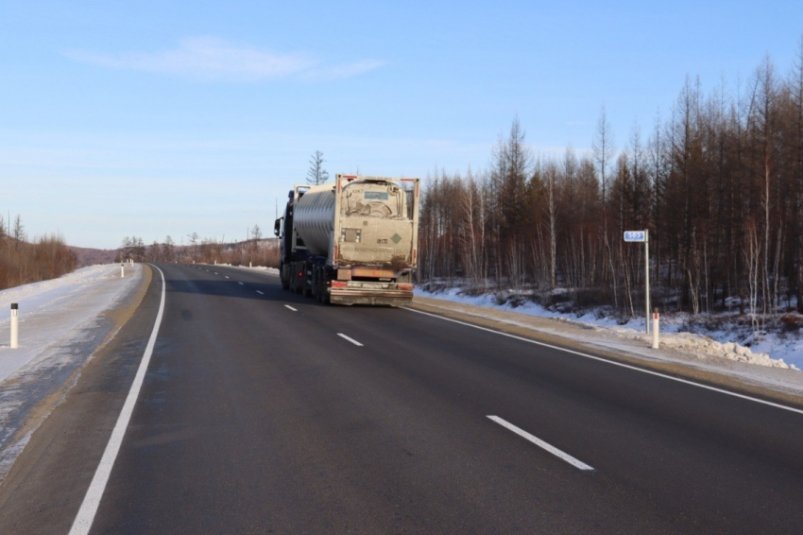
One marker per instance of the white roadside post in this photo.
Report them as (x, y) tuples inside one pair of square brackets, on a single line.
[(656, 329), (643, 236), (15, 336), (122, 270)]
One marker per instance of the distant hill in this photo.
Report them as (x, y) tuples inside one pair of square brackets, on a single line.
[(90, 257), (262, 252)]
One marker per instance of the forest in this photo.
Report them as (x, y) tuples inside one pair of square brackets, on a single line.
[(719, 186), (22, 262)]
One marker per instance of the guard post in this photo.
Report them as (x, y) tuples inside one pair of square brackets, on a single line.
[(656, 329), (15, 337)]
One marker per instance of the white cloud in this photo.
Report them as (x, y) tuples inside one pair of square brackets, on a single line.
[(217, 59)]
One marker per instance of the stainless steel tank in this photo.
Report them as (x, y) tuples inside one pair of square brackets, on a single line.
[(314, 217)]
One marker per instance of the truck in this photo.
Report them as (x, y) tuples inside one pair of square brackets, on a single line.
[(351, 242)]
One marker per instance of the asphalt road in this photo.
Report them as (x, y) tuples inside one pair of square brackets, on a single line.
[(265, 412)]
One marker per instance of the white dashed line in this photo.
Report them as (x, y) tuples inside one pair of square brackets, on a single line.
[(350, 339), (260, 292), (562, 455), (291, 308)]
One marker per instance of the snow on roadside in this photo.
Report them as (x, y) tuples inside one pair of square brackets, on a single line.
[(774, 351), (263, 269), (61, 323), (52, 312)]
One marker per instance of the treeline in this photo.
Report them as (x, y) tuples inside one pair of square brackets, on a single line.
[(719, 186), (22, 262), (253, 251)]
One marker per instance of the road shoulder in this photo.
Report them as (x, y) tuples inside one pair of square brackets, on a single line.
[(46, 484), (581, 338)]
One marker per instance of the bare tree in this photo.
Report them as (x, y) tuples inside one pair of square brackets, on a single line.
[(511, 210), (316, 174), (796, 238), (551, 175), (168, 250), (19, 232), (253, 248), (603, 151)]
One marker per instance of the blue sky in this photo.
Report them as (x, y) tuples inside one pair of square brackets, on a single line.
[(153, 118)]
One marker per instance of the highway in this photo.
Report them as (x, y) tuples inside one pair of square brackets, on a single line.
[(264, 412)]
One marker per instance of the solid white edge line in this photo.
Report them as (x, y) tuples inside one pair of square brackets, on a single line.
[(560, 454), (89, 507), (350, 339), (614, 363), (291, 308)]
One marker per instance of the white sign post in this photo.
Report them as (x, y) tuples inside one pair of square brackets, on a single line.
[(643, 236)]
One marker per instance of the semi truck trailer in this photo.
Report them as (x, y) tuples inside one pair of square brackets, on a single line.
[(351, 242)]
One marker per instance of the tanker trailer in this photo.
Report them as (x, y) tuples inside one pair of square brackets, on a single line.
[(351, 242)]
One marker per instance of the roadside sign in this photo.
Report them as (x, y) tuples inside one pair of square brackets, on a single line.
[(643, 236), (636, 235)]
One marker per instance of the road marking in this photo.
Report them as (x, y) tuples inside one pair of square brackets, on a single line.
[(227, 276), (291, 308), (613, 362), (216, 273), (350, 339), (562, 455), (89, 507), (241, 283), (260, 292)]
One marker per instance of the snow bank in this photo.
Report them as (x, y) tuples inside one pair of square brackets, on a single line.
[(262, 269)]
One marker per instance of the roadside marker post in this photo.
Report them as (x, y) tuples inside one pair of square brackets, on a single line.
[(122, 270), (656, 329), (15, 336), (643, 236)]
